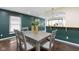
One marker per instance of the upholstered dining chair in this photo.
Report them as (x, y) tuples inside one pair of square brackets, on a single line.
[(49, 45), (22, 43)]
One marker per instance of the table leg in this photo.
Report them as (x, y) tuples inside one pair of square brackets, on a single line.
[(37, 46)]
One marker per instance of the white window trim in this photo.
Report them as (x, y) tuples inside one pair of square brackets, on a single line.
[(49, 22), (10, 25)]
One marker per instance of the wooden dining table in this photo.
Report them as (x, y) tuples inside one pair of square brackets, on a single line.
[(38, 38)]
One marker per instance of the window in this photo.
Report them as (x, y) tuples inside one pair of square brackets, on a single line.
[(15, 23), (56, 22)]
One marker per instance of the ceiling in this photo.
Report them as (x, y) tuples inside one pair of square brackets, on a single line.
[(35, 11)]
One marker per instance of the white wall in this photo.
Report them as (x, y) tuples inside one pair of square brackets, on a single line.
[(71, 15)]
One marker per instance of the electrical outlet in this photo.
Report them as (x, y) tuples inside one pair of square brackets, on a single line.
[(67, 37), (1, 35)]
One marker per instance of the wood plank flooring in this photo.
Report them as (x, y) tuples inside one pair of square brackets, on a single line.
[(64, 47), (10, 45)]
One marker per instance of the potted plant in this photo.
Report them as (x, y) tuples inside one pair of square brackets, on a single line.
[(35, 26)]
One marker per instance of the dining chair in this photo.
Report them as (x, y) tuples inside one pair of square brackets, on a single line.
[(24, 29), (49, 45), (22, 43), (17, 40)]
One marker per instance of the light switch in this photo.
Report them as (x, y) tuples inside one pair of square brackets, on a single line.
[(1, 35), (67, 37)]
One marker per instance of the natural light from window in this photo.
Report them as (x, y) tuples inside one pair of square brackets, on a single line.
[(55, 22), (15, 23)]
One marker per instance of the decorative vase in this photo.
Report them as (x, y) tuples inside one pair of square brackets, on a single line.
[(35, 28), (32, 28)]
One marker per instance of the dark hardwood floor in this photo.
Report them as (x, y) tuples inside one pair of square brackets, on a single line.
[(10, 45), (64, 47)]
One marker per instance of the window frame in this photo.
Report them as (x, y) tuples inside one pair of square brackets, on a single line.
[(14, 24), (49, 21)]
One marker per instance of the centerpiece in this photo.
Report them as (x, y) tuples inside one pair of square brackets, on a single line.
[(35, 26)]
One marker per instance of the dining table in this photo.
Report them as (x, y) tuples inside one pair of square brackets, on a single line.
[(37, 38)]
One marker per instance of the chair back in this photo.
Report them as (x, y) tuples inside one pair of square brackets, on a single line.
[(17, 40), (52, 39), (22, 40), (25, 29), (54, 33)]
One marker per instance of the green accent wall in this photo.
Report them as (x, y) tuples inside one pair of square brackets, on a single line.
[(64, 32), (4, 21), (26, 21)]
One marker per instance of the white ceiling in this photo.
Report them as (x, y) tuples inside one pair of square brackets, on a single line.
[(35, 11)]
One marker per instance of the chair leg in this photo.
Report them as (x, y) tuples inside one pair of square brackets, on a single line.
[(38, 46), (18, 47)]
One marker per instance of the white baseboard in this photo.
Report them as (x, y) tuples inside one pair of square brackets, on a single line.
[(7, 38), (62, 41), (66, 42)]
